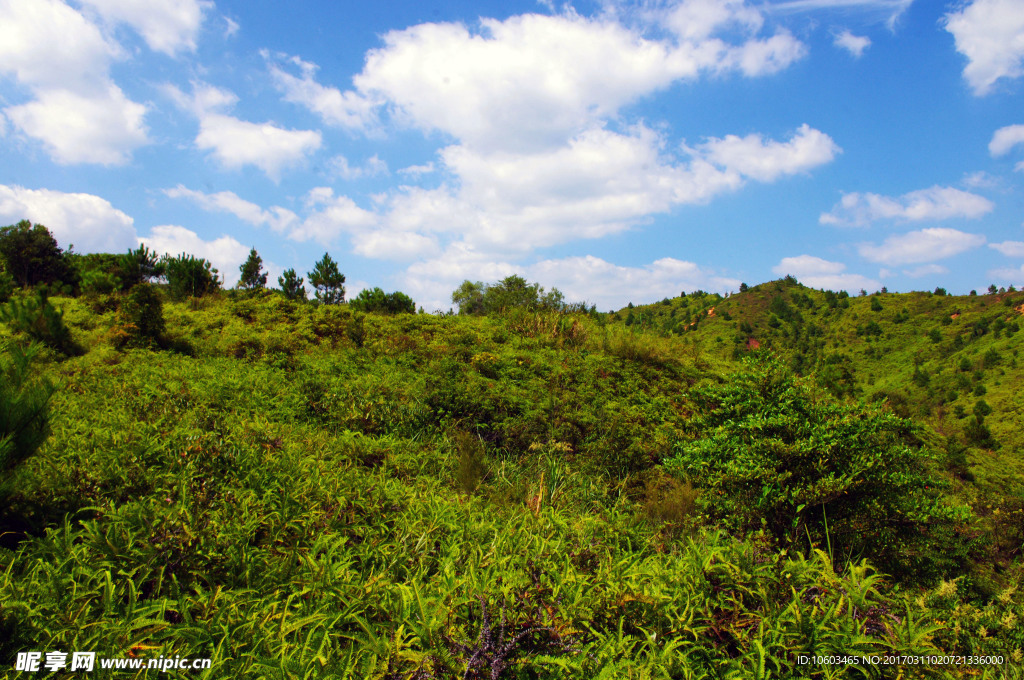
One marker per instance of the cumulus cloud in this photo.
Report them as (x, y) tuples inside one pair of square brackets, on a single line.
[(767, 161), (854, 44), (236, 143), (1006, 138), (102, 127), (89, 222), (925, 245), (224, 253), (990, 33), (531, 81), (77, 112), (1009, 248), (935, 203), (817, 272), (167, 26)]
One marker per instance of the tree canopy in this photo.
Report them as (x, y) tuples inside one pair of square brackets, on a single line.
[(32, 257), (328, 281), (512, 292), (253, 277)]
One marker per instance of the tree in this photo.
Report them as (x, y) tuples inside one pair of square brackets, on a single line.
[(189, 276), (744, 288), (376, 300), (138, 266), (253, 277), (769, 455), (32, 257), (291, 285), (469, 296), (328, 281), (511, 291)]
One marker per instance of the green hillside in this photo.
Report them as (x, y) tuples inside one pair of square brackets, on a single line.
[(704, 487)]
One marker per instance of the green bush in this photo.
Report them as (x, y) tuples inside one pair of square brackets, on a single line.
[(38, 318), (189, 276), (32, 257), (767, 454), (141, 318), (24, 409), (376, 300)]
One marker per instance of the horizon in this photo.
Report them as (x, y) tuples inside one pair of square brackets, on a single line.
[(618, 151)]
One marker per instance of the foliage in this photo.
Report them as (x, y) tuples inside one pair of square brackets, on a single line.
[(32, 257), (767, 453), (140, 318), (138, 266), (376, 300), (512, 292), (24, 401), (40, 320), (328, 281), (291, 285), (6, 284), (189, 276), (253, 277)]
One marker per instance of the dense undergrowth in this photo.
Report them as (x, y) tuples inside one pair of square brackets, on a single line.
[(306, 491)]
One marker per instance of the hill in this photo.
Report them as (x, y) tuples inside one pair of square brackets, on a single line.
[(299, 490)]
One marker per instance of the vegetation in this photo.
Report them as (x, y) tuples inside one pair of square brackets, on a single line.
[(189, 276), (291, 285), (528, 490), (31, 257), (376, 300), (327, 281), (253, 277)]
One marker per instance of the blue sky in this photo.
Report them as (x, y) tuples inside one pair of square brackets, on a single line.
[(618, 151)]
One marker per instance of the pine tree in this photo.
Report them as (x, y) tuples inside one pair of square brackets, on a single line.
[(291, 285), (24, 407), (328, 281), (253, 276)]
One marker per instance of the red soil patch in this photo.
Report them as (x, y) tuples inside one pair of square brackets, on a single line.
[(753, 343)]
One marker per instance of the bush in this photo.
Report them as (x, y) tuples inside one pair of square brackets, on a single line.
[(189, 276), (39, 319), (376, 300), (141, 318), (768, 455), (24, 406)]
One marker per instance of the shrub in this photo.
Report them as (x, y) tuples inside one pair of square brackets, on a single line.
[(769, 455), (39, 319), (6, 285), (189, 276), (376, 300), (24, 406), (141, 318)]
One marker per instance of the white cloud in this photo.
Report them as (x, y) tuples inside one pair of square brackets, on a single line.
[(342, 109), (417, 170), (102, 128), (1009, 248), (46, 43), (373, 167), (235, 143), (990, 33), (1004, 139), (77, 112), (887, 11), (816, 272), (854, 44), (926, 270), (224, 253), (331, 216), (753, 157), (925, 245), (89, 222), (1008, 274), (532, 81), (168, 26), (981, 180), (277, 218), (935, 203), (231, 27)]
